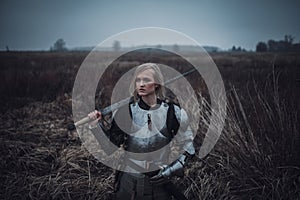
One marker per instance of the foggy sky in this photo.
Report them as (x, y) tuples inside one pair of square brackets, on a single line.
[(37, 24)]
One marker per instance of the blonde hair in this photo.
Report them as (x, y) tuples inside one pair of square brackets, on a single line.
[(158, 79)]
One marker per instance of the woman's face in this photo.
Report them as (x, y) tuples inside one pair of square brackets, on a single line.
[(145, 84)]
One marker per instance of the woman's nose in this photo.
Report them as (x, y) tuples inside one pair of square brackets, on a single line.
[(142, 83)]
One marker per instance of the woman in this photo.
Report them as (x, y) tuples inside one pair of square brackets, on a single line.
[(153, 124)]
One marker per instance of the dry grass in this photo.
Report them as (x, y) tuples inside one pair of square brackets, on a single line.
[(41, 159), (256, 157), (257, 154)]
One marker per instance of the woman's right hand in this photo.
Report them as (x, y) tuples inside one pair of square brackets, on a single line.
[(95, 117)]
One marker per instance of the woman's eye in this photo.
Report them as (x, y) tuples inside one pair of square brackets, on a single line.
[(147, 80), (144, 80)]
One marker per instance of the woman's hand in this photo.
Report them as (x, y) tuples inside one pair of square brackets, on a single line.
[(95, 117)]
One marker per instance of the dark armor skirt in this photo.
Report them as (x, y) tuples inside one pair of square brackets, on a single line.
[(138, 187)]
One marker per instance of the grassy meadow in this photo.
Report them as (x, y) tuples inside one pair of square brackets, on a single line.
[(256, 157)]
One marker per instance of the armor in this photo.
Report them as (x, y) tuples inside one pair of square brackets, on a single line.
[(144, 129)]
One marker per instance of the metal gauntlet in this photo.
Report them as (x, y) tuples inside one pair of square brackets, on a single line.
[(175, 168), (168, 171)]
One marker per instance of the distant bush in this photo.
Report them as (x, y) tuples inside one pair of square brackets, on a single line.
[(261, 47)]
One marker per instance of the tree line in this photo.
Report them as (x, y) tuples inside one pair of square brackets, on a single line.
[(285, 45)]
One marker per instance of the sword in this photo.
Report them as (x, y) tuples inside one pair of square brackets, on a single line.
[(123, 102)]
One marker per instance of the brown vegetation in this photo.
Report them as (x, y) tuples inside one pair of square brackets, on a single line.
[(257, 156)]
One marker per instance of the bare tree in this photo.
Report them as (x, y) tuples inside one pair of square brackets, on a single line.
[(116, 46), (59, 45), (175, 47)]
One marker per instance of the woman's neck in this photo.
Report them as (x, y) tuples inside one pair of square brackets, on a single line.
[(150, 100)]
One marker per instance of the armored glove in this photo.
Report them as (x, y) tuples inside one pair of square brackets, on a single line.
[(168, 171)]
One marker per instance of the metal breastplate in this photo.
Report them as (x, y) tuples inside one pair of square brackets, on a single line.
[(149, 130)]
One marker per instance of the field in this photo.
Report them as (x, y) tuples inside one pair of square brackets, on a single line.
[(257, 156)]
